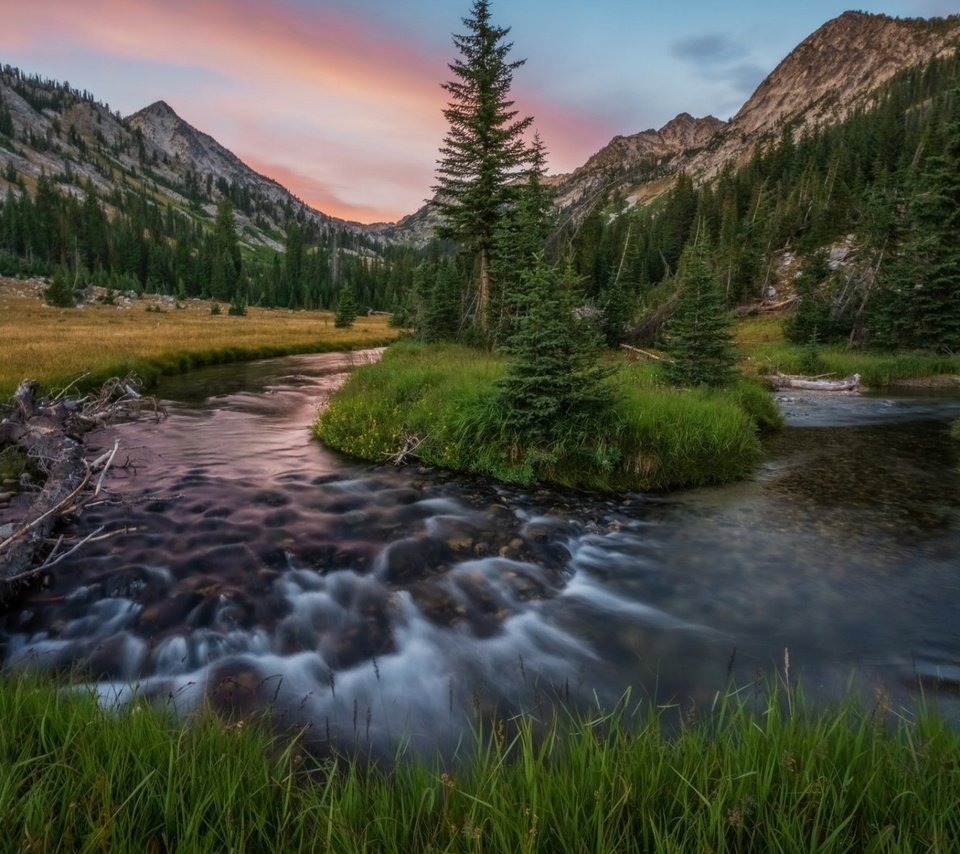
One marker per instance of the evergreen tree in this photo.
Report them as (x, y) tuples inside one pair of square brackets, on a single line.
[(616, 311), (483, 150), (6, 121), (438, 293), (698, 339), (59, 292), (919, 304), (347, 308), (554, 382), (238, 305), (520, 239), (813, 319), (226, 265)]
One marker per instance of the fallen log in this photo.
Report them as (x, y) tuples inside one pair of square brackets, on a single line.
[(50, 433), (645, 353), (778, 381)]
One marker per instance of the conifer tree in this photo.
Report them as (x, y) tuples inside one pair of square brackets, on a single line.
[(813, 319), (697, 338), (6, 121), (238, 305), (554, 382), (59, 292), (226, 270), (919, 305), (347, 308), (520, 239), (484, 149), (437, 290)]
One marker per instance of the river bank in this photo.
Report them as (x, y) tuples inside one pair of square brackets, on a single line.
[(75, 777), (363, 597), (154, 336)]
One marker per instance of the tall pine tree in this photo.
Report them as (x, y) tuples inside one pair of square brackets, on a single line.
[(554, 382), (484, 149), (919, 305), (520, 238), (698, 338)]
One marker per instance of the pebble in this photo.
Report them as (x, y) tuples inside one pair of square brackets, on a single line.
[(6, 530)]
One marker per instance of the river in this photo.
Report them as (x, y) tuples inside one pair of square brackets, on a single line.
[(383, 607)]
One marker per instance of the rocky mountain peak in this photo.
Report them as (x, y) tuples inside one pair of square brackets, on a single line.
[(158, 108), (831, 73), (684, 132), (823, 78)]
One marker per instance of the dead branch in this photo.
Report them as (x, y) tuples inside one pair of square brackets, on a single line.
[(645, 353), (50, 432), (851, 383), (410, 445)]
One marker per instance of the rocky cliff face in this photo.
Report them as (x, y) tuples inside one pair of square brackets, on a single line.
[(628, 159), (829, 74)]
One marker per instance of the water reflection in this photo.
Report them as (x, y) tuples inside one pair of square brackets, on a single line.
[(382, 606)]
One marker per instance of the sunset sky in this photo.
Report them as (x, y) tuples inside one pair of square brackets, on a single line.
[(340, 100)]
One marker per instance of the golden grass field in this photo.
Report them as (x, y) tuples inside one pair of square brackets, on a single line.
[(57, 345)]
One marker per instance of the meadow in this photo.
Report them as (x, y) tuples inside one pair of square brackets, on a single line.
[(55, 346), (765, 351)]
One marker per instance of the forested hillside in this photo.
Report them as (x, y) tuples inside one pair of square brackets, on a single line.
[(885, 182), (95, 197)]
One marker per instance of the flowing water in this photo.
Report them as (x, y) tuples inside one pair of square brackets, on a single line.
[(384, 606)]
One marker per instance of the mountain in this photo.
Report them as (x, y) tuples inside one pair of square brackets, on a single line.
[(73, 139), (626, 158), (832, 73)]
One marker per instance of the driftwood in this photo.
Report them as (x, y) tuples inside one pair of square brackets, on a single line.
[(764, 307), (645, 353), (50, 433), (408, 451), (788, 381)]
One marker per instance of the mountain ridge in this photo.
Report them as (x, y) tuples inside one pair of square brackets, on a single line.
[(832, 72), (69, 136)]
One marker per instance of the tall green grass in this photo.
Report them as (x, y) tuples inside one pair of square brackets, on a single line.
[(767, 352), (442, 399), (764, 776)]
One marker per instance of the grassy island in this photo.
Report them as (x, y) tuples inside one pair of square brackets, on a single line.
[(440, 399)]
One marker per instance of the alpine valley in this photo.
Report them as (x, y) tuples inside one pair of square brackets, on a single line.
[(156, 157)]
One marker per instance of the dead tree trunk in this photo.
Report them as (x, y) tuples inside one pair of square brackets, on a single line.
[(50, 434)]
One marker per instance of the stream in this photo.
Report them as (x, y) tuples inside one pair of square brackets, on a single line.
[(385, 607)]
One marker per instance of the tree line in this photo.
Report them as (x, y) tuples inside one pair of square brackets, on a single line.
[(127, 242), (886, 175)]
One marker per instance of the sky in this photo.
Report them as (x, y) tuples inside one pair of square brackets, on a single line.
[(340, 100)]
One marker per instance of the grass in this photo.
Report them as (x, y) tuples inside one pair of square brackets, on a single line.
[(766, 351), (955, 429), (765, 775), (442, 396), (55, 346)]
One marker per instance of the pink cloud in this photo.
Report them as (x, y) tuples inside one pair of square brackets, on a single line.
[(242, 40), (354, 114), (317, 194)]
